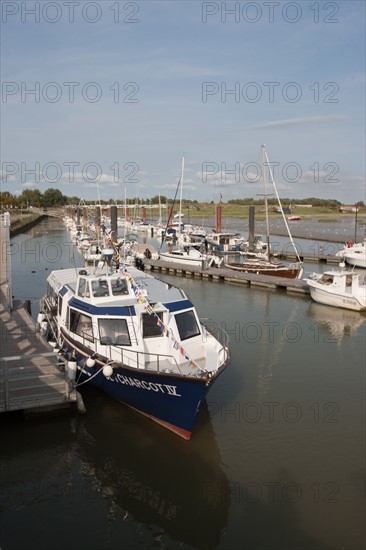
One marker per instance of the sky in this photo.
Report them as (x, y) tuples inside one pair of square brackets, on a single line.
[(104, 99)]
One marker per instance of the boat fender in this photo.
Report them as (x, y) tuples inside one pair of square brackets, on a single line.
[(90, 362), (43, 328), (107, 371), (148, 254), (71, 370), (40, 317)]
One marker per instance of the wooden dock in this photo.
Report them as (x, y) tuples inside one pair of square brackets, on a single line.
[(229, 276), (317, 258), (32, 377)]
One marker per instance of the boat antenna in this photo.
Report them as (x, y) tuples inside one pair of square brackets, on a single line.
[(265, 157)]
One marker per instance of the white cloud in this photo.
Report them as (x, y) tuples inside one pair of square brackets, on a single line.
[(298, 121)]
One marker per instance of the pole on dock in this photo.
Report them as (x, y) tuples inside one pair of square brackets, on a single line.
[(356, 209), (5, 267), (85, 218), (218, 218), (78, 218), (114, 232), (97, 221), (251, 228)]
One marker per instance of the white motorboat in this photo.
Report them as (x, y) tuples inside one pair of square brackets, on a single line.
[(339, 288), (354, 253), (135, 337), (191, 255)]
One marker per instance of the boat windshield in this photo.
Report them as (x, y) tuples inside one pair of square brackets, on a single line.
[(119, 287), (326, 279), (100, 288), (187, 325)]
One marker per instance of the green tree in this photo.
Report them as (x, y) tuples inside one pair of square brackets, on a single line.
[(53, 197), (30, 197), (7, 199)]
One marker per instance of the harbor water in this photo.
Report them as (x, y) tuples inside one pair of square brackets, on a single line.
[(276, 460)]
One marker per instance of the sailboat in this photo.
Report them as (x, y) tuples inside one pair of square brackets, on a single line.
[(188, 254), (265, 264)]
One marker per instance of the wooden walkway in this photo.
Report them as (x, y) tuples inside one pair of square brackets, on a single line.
[(31, 376), (229, 275)]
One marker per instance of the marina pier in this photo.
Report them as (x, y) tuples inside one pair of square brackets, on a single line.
[(229, 276), (32, 378)]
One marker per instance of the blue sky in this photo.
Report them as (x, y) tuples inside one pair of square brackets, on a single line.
[(154, 85)]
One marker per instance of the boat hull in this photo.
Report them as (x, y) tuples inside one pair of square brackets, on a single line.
[(185, 260), (172, 401), (288, 273), (356, 260), (330, 299)]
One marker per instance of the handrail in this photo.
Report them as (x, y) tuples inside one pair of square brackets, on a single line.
[(136, 354)]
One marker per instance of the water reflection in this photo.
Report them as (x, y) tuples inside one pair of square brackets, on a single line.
[(150, 477), (337, 323), (274, 339)]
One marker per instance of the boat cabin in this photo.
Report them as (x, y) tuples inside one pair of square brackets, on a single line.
[(342, 281)]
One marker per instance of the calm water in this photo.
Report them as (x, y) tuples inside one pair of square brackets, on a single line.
[(277, 459)]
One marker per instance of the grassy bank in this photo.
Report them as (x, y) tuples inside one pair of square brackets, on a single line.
[(242, 211), (20, 222)]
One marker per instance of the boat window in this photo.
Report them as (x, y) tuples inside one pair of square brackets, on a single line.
[(83, 288), (59, 304), (114, 332), (81, 324), (187, 325), (326, 279), (100, 288), (119, 286), (150, 327)]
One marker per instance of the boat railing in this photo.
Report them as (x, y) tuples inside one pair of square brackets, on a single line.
[(156, 362), (215, 330)]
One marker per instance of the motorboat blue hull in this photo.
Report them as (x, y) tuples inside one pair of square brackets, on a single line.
[(171, 401)]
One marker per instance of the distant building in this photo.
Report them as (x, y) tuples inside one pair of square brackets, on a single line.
[(349, 208)]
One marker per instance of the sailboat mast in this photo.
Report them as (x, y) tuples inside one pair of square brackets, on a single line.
[(279, 202), (181, 195), (265, 198)]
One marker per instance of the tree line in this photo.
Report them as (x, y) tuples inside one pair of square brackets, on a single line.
[(53, 197)]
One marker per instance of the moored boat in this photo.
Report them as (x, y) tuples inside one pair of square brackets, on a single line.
[(136, 338), (354, 253), (190, 255), (263, 262), (340, 288), (266, 267)]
